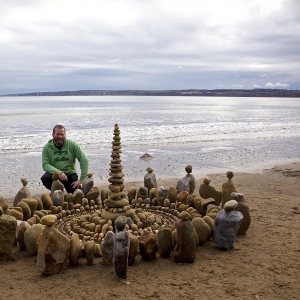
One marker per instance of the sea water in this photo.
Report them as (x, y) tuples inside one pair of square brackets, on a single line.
[(210, 133)]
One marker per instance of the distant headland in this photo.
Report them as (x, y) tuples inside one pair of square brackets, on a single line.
[(188, 92)]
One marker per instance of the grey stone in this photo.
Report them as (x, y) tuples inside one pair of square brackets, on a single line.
[(237, 196), (226, 226), (107, 247), (186, 184), (87, 184), (56, 185), (150, 180), (22, 193), (121, 252), (58, 198), (120, 222), (162, 192)]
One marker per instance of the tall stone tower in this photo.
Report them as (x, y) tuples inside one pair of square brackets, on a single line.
[(117, 204)]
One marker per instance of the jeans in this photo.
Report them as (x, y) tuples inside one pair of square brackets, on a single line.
[(47, 181)]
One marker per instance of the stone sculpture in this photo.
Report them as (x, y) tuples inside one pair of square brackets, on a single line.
[(227, 188), (87, 183), (107, 247), (54, 248), (187, 183), (116, 204), (226, 225), (56, 184), (121, 247), (209, 191), (185, 249), (22, 193), (150, 179)]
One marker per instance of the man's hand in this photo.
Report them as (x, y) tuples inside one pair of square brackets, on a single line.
[(63, 177), (76, 184)]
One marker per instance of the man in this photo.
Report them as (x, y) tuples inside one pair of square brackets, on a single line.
[(61, 154)]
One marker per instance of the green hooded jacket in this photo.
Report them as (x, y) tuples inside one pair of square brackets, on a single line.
[(64, 160)]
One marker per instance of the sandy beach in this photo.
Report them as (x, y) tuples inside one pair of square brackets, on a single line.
[(263, 265)]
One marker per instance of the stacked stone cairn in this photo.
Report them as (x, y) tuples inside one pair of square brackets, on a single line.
[(117, 204)]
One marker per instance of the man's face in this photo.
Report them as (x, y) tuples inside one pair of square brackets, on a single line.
[(59, 136)]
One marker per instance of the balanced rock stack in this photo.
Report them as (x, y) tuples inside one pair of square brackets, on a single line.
[(116, 204)]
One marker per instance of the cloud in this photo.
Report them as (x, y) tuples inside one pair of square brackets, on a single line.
[(62, 45), (277, 84), (256, 86)]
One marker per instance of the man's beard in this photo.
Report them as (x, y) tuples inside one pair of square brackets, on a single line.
[(59, 142)]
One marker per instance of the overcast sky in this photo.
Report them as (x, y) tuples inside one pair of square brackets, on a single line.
[(63, 45)]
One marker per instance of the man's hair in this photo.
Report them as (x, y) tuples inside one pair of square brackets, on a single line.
[(59, 127)]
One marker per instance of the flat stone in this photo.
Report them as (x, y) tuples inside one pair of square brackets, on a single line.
[(116, 203), (230, 205), (49, 220)]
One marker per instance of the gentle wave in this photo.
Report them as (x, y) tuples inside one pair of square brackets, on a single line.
[(145, 121)]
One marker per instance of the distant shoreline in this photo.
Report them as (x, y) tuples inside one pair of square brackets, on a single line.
[(276, 93)]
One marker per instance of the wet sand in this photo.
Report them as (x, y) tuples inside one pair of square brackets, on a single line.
[(167, 162), (263, 265)]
